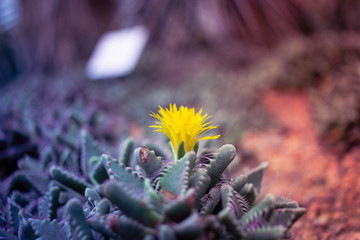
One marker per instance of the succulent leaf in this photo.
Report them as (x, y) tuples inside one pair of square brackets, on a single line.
[(210, 201), (132, 207), (181, 208), (256, 175), (264, 206), (146, 158), (54, 202), (181, 150), (25, 229), (66, 158), (67, 141), (38, 180), (92, 195), (19, 198), (46, 157), (44, 208), (282, 202), (69, 180), (6, 235), (269, 233), (176, 179), (103, 207), (21, 180), (200, 180), (14, 215), (231, 199), (101, 225), (286, 216), (89, 148), (158, 151), (239, 182), (218, 165), (128, 229), (228, 219), (77, 222), (122, 174), (99, 174), (152, 197), (189, 228), (49, 230), (248, 191), (126, 151), (28, 163)]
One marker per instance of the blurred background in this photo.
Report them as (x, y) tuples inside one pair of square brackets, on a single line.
[(281, 79)]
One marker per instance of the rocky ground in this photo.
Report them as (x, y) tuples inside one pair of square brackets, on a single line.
[(303, 169)]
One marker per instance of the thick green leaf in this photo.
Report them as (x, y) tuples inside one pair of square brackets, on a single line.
[(256, 175), (6, 235), (46, 230), (231, 199), (99, 174), (77, 222), (54, 202), (135, 208), (181, 150), (222, 159), (125, 175), (200, 180), (92, 195), (228, 219), (181, 208), (266, 205), (210, 201), (68, 179), (126, 151), (146, 158), (286, 216), (89, 149), (239, 182), (176, 179), (103, 207), (190, 228), (101, 225), (128, 229), (268, 233)]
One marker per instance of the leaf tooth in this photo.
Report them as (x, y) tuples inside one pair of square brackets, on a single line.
[(186, 179), (111, 172), (242, 201), (268, 232), (264, 206)]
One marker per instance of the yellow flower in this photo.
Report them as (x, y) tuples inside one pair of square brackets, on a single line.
[(183, 124)]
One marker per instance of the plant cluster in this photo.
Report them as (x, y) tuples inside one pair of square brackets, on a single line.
[(75, 191)]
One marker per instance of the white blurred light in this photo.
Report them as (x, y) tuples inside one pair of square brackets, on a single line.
[(117, 53), (9, 14)]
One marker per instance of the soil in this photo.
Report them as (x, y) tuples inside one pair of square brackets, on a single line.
[(303, 169)]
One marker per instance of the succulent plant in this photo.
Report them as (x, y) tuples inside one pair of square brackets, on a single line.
[(79, 192)]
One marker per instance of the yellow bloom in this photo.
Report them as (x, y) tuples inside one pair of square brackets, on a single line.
[(183, 124)]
